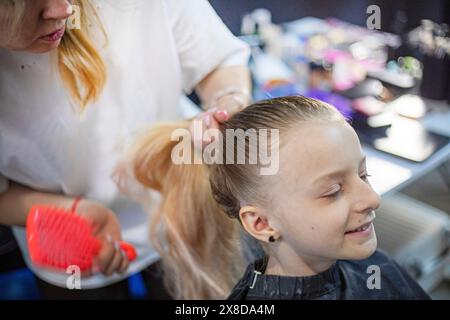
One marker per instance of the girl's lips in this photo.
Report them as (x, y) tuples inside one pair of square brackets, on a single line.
[(363, 231), (55, 36)]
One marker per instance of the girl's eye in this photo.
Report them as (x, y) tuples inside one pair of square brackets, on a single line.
[(334, 194), (365, 176)]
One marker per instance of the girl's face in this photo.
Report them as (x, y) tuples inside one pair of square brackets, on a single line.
[(322, 195), (41, 29)]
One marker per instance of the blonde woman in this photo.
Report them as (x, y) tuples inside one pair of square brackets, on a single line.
[(72, 98)]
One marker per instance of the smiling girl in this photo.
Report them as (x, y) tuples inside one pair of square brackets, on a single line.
[(314, 217)]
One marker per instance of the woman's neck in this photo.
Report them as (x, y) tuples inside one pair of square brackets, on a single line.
[(296, 266)]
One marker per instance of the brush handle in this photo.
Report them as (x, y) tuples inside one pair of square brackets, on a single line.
[(129, 250)]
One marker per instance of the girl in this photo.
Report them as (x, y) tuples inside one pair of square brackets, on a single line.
[(314, 217)]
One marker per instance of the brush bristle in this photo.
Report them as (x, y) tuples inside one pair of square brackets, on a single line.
[(58, 238)]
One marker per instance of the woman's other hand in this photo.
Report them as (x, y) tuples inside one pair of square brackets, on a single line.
[(111, 258)]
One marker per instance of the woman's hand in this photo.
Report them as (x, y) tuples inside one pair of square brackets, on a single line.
[(16, 202), (210, 119), (225, 105), (111, 259)]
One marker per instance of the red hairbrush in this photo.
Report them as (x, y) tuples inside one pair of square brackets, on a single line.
[(58, 238)]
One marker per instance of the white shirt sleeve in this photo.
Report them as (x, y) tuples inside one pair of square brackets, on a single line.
[(237, 59), (3, 184), (202, 40)]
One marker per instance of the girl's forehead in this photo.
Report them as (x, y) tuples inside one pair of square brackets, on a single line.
[(314, 148)]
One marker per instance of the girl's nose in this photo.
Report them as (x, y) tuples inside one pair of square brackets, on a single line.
[(368, 200), (57, 10)]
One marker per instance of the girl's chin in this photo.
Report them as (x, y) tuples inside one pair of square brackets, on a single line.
[(360, 251), (366, 250)]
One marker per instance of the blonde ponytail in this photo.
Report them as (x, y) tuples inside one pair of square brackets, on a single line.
[(197, 242)]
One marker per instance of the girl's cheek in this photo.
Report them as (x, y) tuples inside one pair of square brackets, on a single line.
[(339, 217)]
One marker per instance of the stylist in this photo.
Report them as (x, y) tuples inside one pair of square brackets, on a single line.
[(78, 80)]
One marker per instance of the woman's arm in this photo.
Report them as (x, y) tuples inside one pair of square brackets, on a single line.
[(227, 88), (17, 201)]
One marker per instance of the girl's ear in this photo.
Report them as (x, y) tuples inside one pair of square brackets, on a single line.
[(257, 224)]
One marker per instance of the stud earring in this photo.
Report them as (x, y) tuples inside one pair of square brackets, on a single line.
[(271, 239)]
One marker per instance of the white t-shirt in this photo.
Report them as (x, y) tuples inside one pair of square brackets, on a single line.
[(156, 50)]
